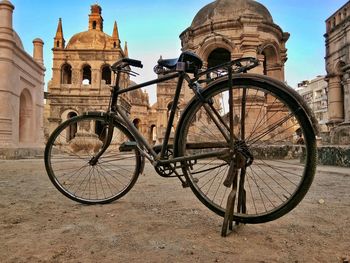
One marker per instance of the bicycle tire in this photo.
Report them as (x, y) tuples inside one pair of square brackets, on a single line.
[(69, 150), (277, 180)]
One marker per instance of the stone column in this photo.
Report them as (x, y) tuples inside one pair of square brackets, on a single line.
[(346, 87), (6, 11), (8, 117), (38, 51), (335, 100)]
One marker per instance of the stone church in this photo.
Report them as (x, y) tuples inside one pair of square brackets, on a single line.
[(21, 91), (221, 31), (81, 77)]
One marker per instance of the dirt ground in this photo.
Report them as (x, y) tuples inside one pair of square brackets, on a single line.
[(159, 221)]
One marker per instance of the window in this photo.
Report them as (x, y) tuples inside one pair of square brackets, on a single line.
[(94, 25), (66, 74), (87, 75), (106, 74)]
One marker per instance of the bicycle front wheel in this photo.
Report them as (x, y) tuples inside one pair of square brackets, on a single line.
[(271, 132), (72, 146)]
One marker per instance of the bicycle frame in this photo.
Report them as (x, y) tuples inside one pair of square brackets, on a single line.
[(152, 155), (193, 83)]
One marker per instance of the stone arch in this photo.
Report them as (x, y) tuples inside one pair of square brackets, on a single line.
[(272, 65), (69, 113), (26, 117), (106, 74), (86, 74), (211, 43), (66, 74)]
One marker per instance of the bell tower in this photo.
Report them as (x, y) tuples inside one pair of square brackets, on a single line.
[(95, 18), (59, 41)]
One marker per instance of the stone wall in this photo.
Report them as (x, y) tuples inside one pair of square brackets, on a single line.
[(334, 155)]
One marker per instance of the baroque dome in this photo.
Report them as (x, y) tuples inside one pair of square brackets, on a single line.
[(230, 9), (91, 39)]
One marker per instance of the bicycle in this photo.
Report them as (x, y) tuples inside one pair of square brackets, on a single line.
[(241, 131)]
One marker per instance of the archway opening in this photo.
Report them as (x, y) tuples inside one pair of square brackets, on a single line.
[(270, 61), (72, 130), (154, 134), (137, 123), (218, 56), (25, 117), (87, 75), (107, 74), (66, 74)]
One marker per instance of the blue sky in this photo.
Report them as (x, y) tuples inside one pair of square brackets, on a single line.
[(152, 28)]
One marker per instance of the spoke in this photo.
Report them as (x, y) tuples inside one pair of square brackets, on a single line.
[(261, 119), (273, 179), (268, 130)]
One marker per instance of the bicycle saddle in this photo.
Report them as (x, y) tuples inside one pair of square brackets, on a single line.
[(192, 61)]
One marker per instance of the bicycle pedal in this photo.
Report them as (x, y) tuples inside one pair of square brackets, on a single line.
[(127, 146)]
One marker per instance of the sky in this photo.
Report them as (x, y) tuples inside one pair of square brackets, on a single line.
[(152, 29)]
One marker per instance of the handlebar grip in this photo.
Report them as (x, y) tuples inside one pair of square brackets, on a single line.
[(133, 62), (126, 62)]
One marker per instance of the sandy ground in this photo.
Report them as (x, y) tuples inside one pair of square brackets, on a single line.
[(159, 221)]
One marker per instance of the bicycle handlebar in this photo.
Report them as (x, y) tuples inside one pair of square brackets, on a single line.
[(120, 64)]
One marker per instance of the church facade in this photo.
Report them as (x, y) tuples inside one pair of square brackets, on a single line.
[(81, 77)]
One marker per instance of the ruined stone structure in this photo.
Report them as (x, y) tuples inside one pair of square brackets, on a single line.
[(21, 91), (82, 77), (338, 74)]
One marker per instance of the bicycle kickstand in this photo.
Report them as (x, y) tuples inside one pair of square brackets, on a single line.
[(227, 226)]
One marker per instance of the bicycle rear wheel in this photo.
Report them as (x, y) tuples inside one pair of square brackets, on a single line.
[(269, 124), (67, 160)]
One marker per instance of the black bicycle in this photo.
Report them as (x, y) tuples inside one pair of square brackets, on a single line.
[(240, 131)]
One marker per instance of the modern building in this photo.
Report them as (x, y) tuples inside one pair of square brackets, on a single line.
[(315, 93), (338, 73), (21, 91)]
